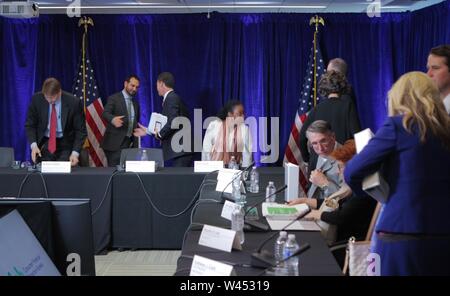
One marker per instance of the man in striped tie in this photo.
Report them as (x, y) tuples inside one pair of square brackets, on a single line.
[(55, 124)]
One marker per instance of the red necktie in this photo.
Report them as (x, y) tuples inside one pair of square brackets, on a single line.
[(52, 137)]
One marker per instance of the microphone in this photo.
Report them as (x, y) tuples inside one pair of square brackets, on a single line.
[(265, 259), (240, 174), (257, 224)]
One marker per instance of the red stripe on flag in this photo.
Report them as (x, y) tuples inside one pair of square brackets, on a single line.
[(93, 126), (290, 156), (99, 108), (94, 156)]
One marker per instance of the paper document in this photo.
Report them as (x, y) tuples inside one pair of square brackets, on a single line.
[(157, 122), (297, 225)]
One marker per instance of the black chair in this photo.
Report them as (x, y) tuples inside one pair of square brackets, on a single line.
[(6, 157), (153, 154)]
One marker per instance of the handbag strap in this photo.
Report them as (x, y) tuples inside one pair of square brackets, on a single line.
[(376, 212)]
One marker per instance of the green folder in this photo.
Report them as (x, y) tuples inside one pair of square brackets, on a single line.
[(282, 210)]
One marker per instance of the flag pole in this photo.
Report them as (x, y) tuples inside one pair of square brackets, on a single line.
[(316, 20), (85, 22)]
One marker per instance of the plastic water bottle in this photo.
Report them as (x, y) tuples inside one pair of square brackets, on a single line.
[(233, 164), (144, 156), (237, 223), (237, 188), (279, 246), (291, 246), (254, 180), (270, 190)]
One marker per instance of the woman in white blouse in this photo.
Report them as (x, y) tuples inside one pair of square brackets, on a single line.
[(228, 136)]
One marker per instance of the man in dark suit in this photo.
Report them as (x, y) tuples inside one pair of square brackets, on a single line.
[(122, 115), (55, 124), (174, 109)]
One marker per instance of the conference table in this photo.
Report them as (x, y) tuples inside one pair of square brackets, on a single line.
[(317, 260), (123, 214), (89, 183)]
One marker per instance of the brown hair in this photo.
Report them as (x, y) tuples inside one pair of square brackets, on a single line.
[(51, 86), (333, 82), (442, 51), (345, 152)]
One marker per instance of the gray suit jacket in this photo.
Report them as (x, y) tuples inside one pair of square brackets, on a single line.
[(331, 170)]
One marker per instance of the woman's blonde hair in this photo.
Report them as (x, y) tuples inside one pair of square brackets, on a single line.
[(416, 97)]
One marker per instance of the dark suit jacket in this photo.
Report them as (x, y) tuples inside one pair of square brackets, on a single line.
[(173, 107), (116, 106), (340, 113), (418, 175), (72, 120)]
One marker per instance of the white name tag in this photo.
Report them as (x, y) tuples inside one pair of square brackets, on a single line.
[(56, 167), (207, 166), (219, 238), (224, 179), (228, 209), (140, 166), (202, 266)]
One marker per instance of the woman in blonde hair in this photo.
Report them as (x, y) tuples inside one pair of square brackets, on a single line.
[(413, 145)]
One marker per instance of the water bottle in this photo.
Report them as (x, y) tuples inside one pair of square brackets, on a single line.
[(254, 180), (279, 246), (144, 156), (237, 223), (270, 190), (233, 164), (291, 246), (237, 196)]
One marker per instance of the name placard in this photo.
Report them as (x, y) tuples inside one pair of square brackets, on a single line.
[(140, 166), (224, 179), (202, 266), (228, 208), (219, 238), (56, 167)]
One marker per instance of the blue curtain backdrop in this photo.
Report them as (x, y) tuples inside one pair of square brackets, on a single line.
[(257, 58)]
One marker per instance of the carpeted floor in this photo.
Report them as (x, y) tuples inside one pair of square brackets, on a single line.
[(137, 263)]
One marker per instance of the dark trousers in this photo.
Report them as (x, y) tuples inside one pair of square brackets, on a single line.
[(113, 157), (62, 153)]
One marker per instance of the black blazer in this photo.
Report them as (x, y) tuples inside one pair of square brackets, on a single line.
[(173, 107), (340, 113), (72, 120), (114, 136)]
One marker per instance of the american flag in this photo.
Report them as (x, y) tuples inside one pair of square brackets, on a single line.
[(85, 83), (292, 153)]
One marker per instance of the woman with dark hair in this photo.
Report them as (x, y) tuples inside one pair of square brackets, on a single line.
[(338, 110), (228, 136)]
